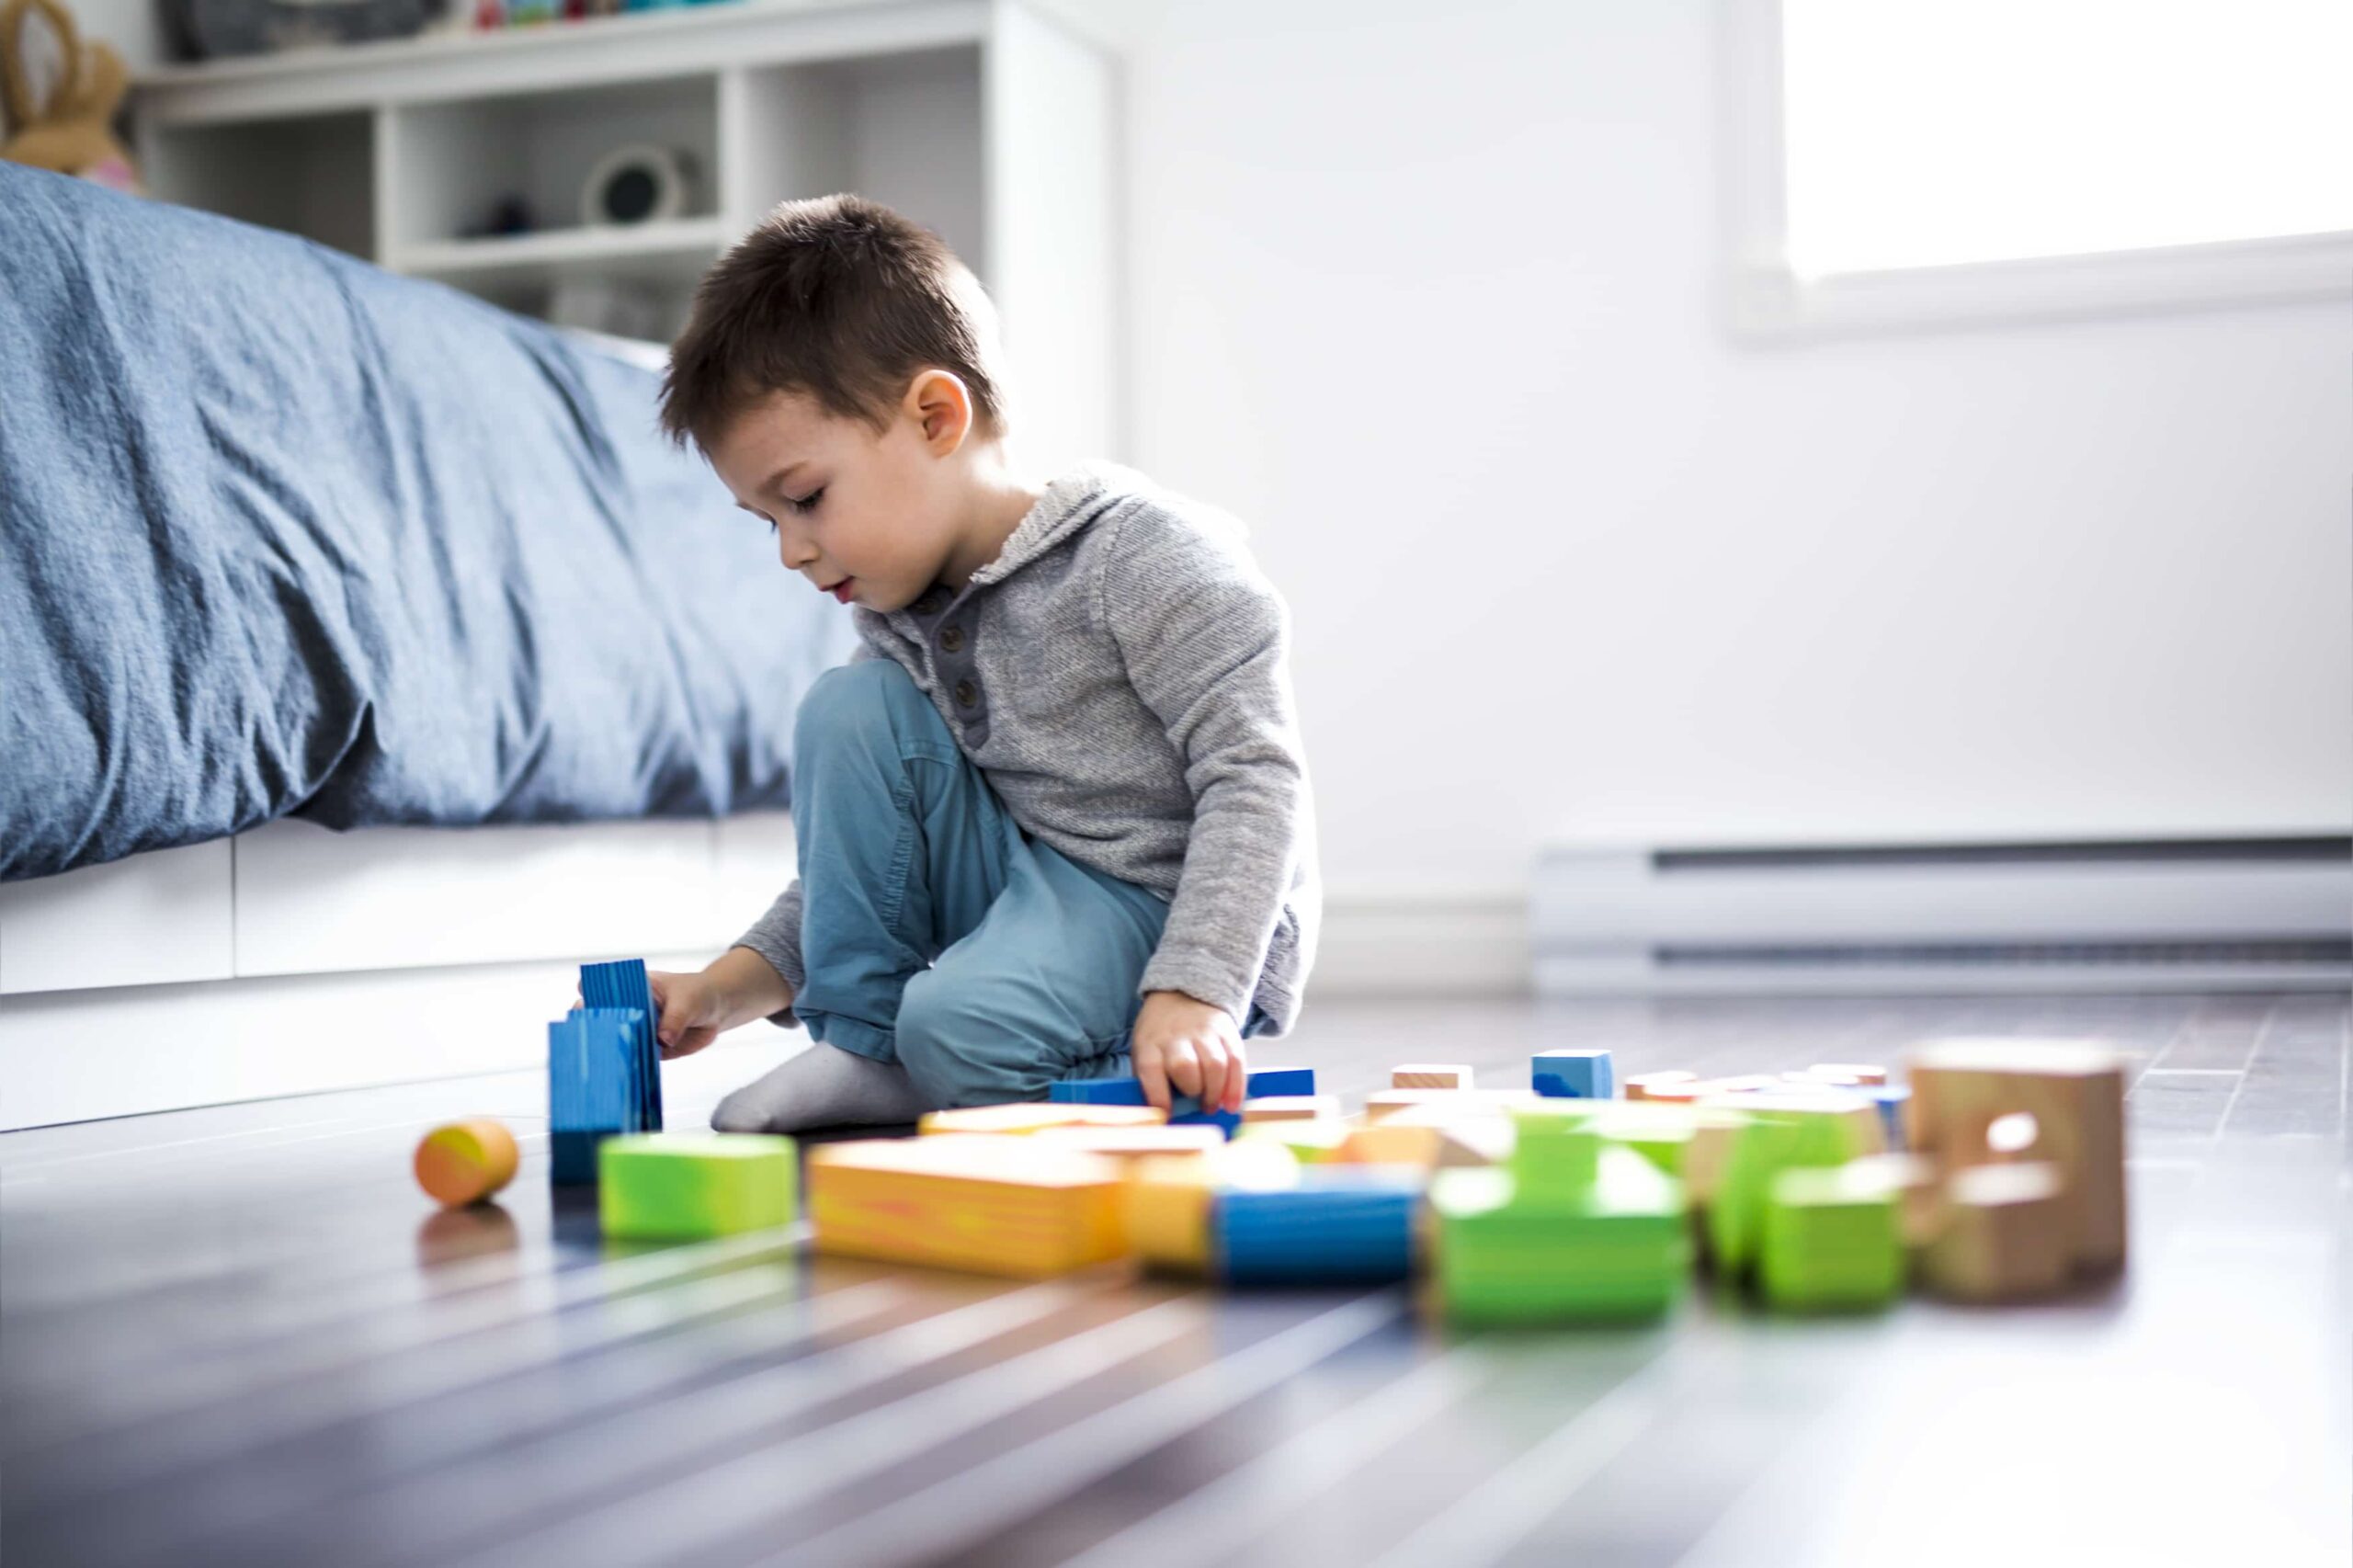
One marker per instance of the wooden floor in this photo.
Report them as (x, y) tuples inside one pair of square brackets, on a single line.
[(240, 1335)]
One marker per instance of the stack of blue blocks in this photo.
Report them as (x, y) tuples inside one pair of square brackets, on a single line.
[(1341, 1225), (604, 1069), (1185, 1110), (1572, 1074)]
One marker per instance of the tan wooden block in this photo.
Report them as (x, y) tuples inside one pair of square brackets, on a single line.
[(1465, 1137), (1641, 1084), (1392, 1143), (1429, 1075), (1126, 1145), (1383, 1104), (1290, 1107), (2004, 1233), (1986, 1102), (1027, 1117)]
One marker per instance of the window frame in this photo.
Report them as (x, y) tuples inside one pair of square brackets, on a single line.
[(1765, 299)]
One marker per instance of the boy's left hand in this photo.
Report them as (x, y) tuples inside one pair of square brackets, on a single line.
[(1188, 1043)]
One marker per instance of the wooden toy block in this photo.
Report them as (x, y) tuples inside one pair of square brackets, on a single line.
[(2060, 1101), (1785, 1129), (1383, 1104), (1640, 1086), (623, 984), (1848, 1074), (594, 1066), (2004, 1233), (1267, 1083), (1698, 1089), (1127, 1145), (1290, 1107), (1620, 1252), (1580, 1074), (1391, 1144), (1314, 1140), (1484, 1138), (1912, 1181), (1429, 1075), (992, 1205), (1555, 1154), (1337, 1225), (464, 1162), (690, 1185), (1831, 1241), (1894, 1101), (1027, 1117), (1660, 1131), (1166, 1200)]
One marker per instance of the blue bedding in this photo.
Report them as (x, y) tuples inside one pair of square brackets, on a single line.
[(282, 533)]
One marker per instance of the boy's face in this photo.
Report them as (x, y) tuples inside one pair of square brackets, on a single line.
[(870, 519)]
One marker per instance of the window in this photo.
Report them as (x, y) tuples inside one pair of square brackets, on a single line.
[(1906, 162)]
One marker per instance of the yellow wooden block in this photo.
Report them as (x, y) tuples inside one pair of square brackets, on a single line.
[(1429, 1075), (1981, 1102), (1166, 1200), (1290, 1107), (992, 1204), (465, 1162), (1035, 1116), (1128, 1145)]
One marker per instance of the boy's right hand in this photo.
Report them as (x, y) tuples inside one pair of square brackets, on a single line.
[(694, 1011)]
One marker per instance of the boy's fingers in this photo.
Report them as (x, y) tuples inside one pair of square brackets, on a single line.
[(1212, 1090), (1153, 1076), (1237, 1077), (1184, 1070)]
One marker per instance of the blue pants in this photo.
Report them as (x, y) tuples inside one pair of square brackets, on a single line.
[(933, 930)]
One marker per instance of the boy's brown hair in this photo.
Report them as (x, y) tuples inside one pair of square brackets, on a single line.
[(841, 299)]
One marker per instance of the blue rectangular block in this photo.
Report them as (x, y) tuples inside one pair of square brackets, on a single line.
[(1184, 1109), (1574, 1074), (1891, 1099), (623, 984), (595, 1087), (1339, 1225)]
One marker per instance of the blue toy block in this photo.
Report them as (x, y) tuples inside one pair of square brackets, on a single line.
[(1340, 1225), (590, 1095), (623, 984), (1890, 1099), (1269, 1081), (1574, 1074), (1184, 1110)]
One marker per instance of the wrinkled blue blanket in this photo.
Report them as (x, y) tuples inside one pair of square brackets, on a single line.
[(280, 532)]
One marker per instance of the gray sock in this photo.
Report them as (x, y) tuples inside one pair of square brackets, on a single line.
[(823, 1086)]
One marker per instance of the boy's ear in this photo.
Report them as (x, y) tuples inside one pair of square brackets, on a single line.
[(942, 409)]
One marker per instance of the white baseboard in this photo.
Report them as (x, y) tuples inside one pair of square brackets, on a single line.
[(1424, 944)]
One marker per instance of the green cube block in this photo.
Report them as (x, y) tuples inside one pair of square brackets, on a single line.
[(1832, 1241), (1619, 1252), (1660, 1132), (1785, 1132), (1553, 1151), (675, 1185)]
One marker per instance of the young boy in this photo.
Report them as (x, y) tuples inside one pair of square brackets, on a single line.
[(1053, 817)]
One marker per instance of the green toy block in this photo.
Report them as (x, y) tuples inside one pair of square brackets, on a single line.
[(1315, 1142), (1619, 1252), (1659, 1131), (1553, 1152), (674, 1186), (1832, 1241), (1796, 1130)]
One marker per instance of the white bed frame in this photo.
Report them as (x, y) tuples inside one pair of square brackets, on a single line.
[(292, 959)]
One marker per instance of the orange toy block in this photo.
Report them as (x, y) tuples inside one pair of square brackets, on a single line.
[(991, 1204), (1981, 1102), (2004, 1233), (1036, 1116), (1126, 1145), (1464, 1138), (1166, 1201), (465, 1162), (1429, 1075), (1392, 1143), (1290, 1107)]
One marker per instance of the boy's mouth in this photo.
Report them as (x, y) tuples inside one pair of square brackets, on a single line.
[(841, 590)]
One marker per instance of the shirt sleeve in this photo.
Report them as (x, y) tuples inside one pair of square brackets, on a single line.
[(1206, 640)]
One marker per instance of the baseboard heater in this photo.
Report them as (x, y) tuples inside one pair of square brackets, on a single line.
[(2153, 915)]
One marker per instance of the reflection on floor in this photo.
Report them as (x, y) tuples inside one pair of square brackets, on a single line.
[(241, 1336)]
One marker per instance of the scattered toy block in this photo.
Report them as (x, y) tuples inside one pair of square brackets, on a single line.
[(1337, 1225), (2004, 1233), (1660, 1131), (1014, 1206), (1640, 1086), (1314, 1140), (1383, 1104), (464, 1162), (1166, 1200), (594, 1057), (2066, 1097), (1127, 1145), (1910, 1181), (1894, 1101), (1578, 1074), (1290, 1107), (1831, 1241), (1620, 1251), (1849, 1074), (1555, 1154), (680, 1185), (1465, 1137), (1390, 1144), (1267, 1083), (1429, 1075), (1029, 1117), (624, 985), (1789, 1129)]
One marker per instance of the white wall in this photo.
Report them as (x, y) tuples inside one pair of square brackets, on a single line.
[(1426, 292)]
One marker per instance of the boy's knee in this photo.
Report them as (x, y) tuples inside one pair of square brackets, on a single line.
[(872, 698), (962, 1052)]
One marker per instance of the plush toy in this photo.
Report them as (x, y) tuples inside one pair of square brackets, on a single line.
[(61, 96)]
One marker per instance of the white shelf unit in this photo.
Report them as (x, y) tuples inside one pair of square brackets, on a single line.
[(984, 119)]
